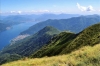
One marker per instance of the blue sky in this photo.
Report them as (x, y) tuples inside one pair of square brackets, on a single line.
[(50, 6)]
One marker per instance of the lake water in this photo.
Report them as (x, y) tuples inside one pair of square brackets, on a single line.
[(7, 35)]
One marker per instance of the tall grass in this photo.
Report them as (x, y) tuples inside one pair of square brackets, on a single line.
[(86, 56)]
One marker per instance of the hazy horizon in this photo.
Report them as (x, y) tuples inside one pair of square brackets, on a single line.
[(22, 7)]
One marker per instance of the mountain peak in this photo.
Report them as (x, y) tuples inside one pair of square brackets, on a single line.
[(49, 30)]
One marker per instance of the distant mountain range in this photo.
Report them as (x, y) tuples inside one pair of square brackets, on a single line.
[(44, 17), (15, 19), (74, 24), (48, 42)]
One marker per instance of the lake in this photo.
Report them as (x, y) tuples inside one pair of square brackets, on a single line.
[(15, 30)]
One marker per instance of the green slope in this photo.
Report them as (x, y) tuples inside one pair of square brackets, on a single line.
[(9, 57), (67, 42), (55, 46), (30, 44), (85, 56), (90, 36)]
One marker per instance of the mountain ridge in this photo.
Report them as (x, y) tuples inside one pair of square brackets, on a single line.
[(89, 36), (71, 24)]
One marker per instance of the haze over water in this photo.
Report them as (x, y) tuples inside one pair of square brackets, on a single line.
[(15, 30)]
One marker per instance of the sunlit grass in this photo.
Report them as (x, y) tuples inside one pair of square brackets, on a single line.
[(86, 56)]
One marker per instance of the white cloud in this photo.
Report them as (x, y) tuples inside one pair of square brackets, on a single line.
[(12, 11), (90, 8), (83, 8), (39, 11), (43, 11), (32, 11), (19, 12), (46, 11)]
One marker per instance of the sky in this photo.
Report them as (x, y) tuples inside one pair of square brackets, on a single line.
[(49, 6)]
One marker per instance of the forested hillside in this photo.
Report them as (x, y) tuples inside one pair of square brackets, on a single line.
[(67, 42)]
